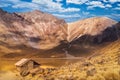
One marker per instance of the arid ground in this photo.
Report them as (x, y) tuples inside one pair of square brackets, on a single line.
[(102, 64)]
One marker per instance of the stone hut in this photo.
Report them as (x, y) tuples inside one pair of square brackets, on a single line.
[(24, 66)]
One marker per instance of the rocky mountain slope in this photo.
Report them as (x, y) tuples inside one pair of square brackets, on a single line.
[(43, 31), (91, 26), (34, 29), (94, 30)]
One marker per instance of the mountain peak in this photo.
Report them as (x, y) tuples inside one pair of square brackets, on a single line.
[(90, 26)]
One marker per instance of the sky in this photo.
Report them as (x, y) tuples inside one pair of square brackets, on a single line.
[(69, 10)]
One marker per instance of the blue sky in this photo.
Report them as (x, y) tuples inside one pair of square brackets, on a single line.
[(70, 10)]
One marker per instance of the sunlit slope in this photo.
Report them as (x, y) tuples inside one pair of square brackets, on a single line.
[(91, 26)]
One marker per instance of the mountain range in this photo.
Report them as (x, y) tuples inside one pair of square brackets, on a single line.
[(42, 35), (44, 31)]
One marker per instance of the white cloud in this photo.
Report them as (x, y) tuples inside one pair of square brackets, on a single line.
[(85, 13), (18, 4), (26, 5), (114, 1), (96, 4), (117, 8), (118, 4), (116, 15), (12, 1), (111, 1), (53, 6), (93, 4), (76, 1), (99, 4), (4, 4), (105, 0), (70, 10), (48, 4), (74, 17), (59, 0), (67, 16), (108, 6)]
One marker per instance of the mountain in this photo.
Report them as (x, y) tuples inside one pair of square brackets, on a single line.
[(91, 26), (88, 35), (34, 29), (44, 31)]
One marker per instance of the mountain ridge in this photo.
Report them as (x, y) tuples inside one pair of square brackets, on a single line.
[(91, 26), (29, 32)]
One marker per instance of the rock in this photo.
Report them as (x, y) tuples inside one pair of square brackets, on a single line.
[(87, 64), (91, 72), (118, 59), (24, 73), (101, 61), (36, 71)]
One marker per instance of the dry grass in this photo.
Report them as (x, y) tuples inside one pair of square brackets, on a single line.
[(104, 66)]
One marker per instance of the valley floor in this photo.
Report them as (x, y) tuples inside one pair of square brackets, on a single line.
[(104, 64)]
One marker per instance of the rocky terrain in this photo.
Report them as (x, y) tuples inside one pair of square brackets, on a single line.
[(34, 29)]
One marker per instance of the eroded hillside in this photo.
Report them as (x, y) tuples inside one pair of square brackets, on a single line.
[(33, 29)]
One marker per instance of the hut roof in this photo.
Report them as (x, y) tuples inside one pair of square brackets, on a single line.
[(24, 61)]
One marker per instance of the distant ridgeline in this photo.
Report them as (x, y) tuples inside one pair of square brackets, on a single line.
[(110, 34)]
